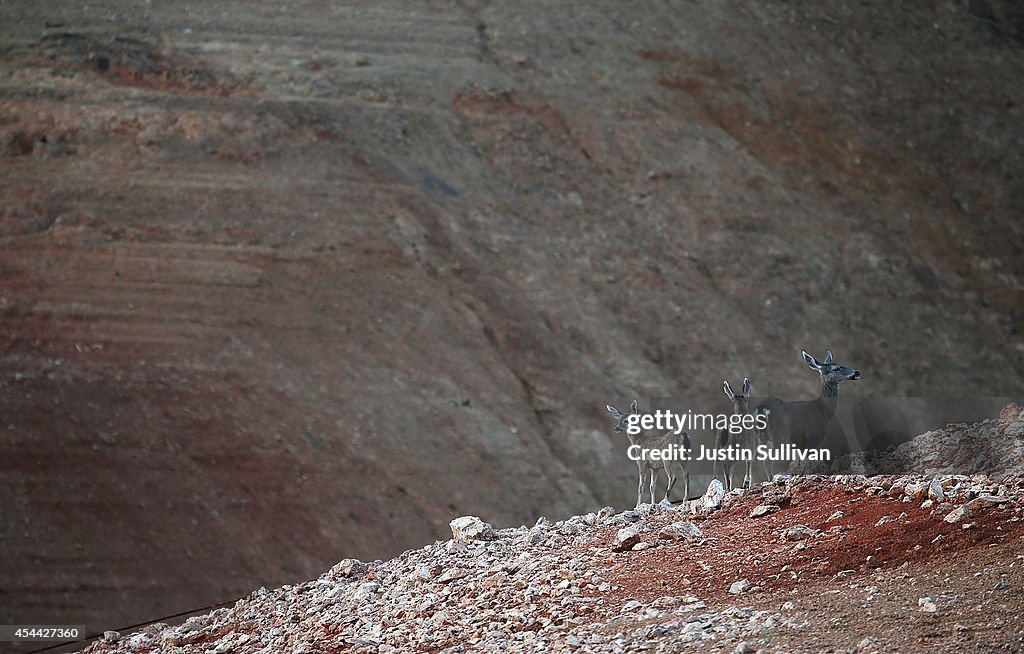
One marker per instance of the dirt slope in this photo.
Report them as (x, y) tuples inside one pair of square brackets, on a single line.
[(871, 571), (282, 284), (993, 447)]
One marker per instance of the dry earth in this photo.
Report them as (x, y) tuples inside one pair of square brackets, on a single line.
[(843, 564), (988, 447), (286, 283)]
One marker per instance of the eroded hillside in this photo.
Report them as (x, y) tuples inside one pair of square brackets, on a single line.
[(287, 283)]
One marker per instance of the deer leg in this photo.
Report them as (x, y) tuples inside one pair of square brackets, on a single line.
[(654, 483), (724, 473), (640, 486), (686, 484), (671, 482)]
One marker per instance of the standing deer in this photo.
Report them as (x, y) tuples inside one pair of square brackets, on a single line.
[(803, 423), (744, 439), (673, 467)]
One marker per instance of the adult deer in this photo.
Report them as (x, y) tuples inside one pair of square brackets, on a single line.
[(803, 423)]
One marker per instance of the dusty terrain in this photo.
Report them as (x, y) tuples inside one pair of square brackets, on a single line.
[(989, 447), (282, 284), (871, 571)]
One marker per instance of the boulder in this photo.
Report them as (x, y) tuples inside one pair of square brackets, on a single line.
[(763, 509), (348, 568), (712, 499), (680, 531), (469, 528), (958, 514), (626, 539), (799, 532), (740, 586)]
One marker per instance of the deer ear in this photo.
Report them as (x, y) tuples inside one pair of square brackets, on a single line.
[(811, 361), (615, 412), (634, 407), (746, 386), (828, 358), (728, 390)]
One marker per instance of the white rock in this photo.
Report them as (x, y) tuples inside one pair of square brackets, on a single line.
[(424, 572), (366, 591), (713, 496), (666, 601), (740, 586), (626, 539), (348, 568), (632, 605), (469, 527), (799, 532), (916, 490), (985, 498), (681, 531), (763, 509), (958, 514)]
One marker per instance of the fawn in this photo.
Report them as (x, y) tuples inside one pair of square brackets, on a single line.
[(647, 442), (744, 439)]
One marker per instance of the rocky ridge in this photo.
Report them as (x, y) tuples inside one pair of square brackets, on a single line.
[(993, 447), (559, 586)]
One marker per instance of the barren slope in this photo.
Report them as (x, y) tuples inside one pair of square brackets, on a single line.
[(869, 570)]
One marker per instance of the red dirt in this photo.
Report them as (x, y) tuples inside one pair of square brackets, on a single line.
[(738, 547)]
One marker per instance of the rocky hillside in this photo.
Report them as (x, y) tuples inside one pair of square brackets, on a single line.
[(922, 564), (993, 447), (283, 284)]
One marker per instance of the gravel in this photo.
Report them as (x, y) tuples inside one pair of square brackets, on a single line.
[(526, 589)]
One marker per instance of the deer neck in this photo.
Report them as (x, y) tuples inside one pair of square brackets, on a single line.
[(737, 410), (829, 398)]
